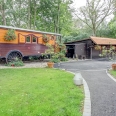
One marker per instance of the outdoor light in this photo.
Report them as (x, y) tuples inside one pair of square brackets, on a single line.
[(78, 79)]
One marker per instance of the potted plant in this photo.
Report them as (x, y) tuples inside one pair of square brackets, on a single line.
[(49, 52), (55, 56), (110, 53), (97, 47), (45, 38), (10, 35)]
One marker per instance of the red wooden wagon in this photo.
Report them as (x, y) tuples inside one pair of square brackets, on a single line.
[(27, 43)]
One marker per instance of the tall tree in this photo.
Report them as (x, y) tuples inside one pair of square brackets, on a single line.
[(45, 15), (94, 13), (2, 12), (56, 15)]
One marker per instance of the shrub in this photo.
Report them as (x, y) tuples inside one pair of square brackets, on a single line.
[(15, 63), (108, 52)]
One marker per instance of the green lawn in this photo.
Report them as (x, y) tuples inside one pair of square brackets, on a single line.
[(39, 92), (113, 73)]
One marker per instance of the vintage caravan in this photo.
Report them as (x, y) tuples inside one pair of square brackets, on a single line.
[(24, 43)]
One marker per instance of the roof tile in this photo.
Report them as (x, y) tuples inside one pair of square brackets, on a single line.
[(103, 41)]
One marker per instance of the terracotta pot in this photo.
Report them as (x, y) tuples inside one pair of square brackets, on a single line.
[(50, 64), (12, 65), (113, 66)]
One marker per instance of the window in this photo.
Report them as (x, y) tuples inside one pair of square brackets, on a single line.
[(31, 38), (34, 39), (28, 39)]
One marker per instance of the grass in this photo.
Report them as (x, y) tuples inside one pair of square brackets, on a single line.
[(39, 92), (113, 73)]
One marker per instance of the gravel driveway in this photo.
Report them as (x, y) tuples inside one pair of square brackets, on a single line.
[(102, 88), (28, 65)]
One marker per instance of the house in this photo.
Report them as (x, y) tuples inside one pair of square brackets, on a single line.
[(26, 43), (88, 48)]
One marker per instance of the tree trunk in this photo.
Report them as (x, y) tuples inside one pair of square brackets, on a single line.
[(34, 15), (20, 14), (94, 31), (29, 14), (3, 13)]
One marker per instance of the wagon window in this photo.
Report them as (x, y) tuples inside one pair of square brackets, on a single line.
[(28, 39), (34, 39)]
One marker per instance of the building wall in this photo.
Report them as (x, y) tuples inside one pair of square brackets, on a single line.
[(83, 48), (86, 47), (80, 49), (25, 49), (20, 37), (95, 53)]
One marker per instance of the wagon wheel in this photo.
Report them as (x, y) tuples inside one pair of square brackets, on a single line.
[(14, 56)]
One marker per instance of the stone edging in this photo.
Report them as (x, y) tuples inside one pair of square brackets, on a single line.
[(87, 100), (110, 76)]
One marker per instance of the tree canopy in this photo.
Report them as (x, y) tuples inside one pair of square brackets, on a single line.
[(45, 15), (94, 13), (58, 16)]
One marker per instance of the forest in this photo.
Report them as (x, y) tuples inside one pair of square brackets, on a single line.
[(96, 18)]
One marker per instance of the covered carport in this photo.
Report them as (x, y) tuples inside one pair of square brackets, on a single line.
[(86, 48)]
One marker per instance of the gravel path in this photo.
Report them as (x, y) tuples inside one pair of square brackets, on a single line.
[(103, 93), (102, 87), (28, 65)]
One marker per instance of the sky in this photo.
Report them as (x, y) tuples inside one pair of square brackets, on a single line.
[(78, 3)]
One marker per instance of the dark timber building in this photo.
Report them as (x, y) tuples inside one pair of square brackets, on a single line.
[(87, 48)]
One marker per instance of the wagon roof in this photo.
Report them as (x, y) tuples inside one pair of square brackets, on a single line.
[(28, 30)]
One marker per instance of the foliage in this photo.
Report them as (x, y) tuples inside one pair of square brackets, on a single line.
[(62, 52), (50, 49), (97, 47), (10, 35), (112, 27), (64, 59), (35, 91), (15, 63), (67, 39), (94, 13), (56, 56), (32, 58), (45, 15), (62, 47), (57, 16), (45, 38), (74, 38), (103, 30), (113, 72), (109, 52)]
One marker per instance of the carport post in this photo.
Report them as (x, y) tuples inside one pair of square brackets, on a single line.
[(91, 52)]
